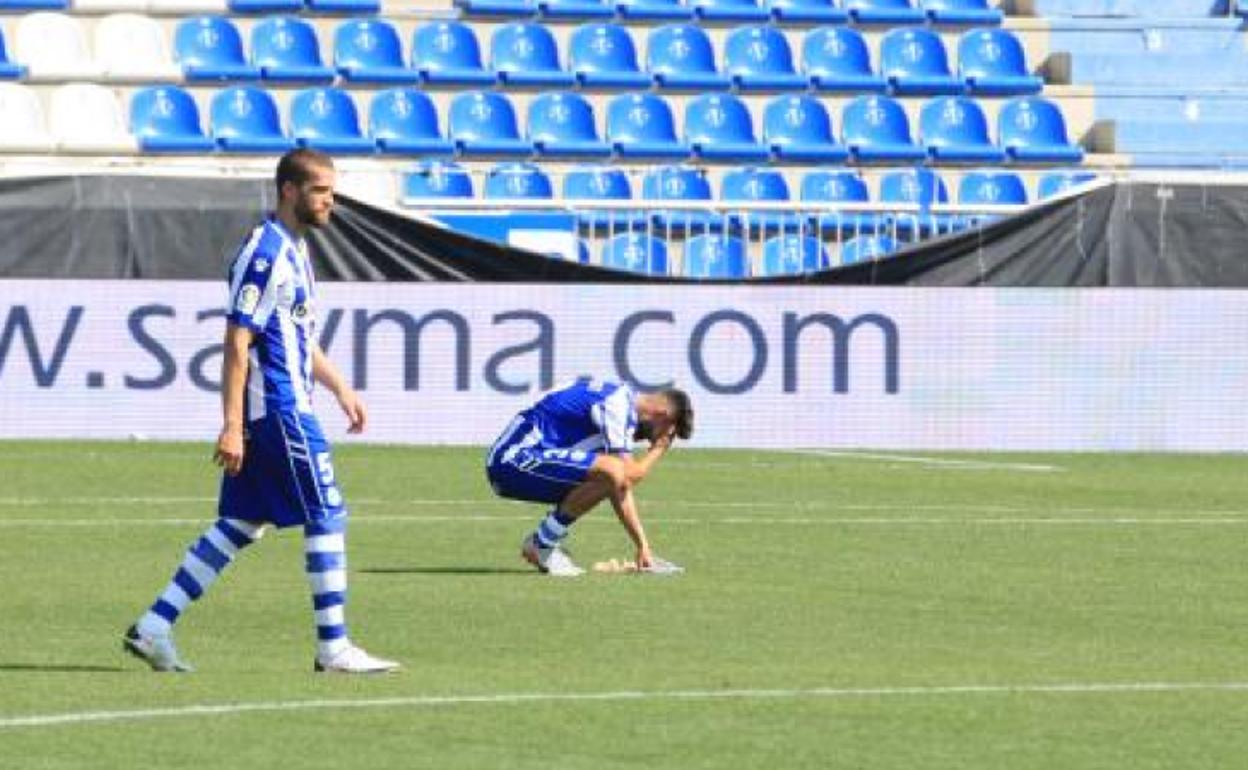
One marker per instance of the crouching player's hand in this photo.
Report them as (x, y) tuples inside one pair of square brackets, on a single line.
[(645, 559)]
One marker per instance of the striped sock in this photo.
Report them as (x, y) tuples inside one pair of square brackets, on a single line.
[(325, 548), (553, 529), (203, 564)]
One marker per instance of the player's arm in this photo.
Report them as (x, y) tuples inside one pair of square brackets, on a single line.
[(229, 451), (325, 373), (625, 505)]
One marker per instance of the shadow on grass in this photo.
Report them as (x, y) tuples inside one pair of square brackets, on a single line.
[(60, 668), (449, 571)]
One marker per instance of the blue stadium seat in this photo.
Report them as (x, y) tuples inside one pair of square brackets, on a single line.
[(165, 119), (606, 184), (561, 124), (719, 127), (517, 180), (211, 48), (525, 54), (636, 252), (484, 123), (582, 251), (1032, 130), (504, 8), (642, 126), (875, 128), (962, 12), (1058, 182), (992, 63), (404, 121), (751, 184), (246, 119), (887, 12), (679, 183), (989, 187), (793, 253), (36, 5), (9, 69), (954, 130), (758, 58), (840, 186), (286, 49), (867, 248), (370, 51), (807, 11), (920, 186), (326, 119), (913, 61), (575, 9), (436, 179), (447, 52), (837, 59), (352, 7), (653, 10), (716, 257), (680, 56), (729, 10), (798, 128), (603, 56), (266, 6)]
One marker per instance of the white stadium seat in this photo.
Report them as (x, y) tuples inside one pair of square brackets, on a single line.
[(22, 128), (187, 7), (53, 46), (133, 47), (88, 118), (108, 6)]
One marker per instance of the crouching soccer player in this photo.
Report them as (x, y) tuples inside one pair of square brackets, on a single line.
[(277, 463), (573, 449)]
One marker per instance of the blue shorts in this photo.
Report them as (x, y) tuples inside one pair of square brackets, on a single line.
[(287, 478), (520, 467)]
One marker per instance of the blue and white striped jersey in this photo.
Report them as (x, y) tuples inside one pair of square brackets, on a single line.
[(587, 415), (272, 292)]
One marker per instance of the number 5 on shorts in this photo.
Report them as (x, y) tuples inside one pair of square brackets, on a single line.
[(324, 468)]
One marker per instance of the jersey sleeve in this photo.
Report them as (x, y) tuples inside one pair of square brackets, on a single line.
[(254, 289), (617, 420)]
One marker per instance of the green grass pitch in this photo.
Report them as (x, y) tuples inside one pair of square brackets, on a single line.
[(914, 611)]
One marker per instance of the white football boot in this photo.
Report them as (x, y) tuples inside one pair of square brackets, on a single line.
[(157, 651), (354, 660), (554, 561)]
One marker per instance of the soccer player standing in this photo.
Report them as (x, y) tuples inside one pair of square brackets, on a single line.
[(276, 461), (573, 448)]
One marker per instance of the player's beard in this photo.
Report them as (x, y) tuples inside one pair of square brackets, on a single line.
[(307, 216)]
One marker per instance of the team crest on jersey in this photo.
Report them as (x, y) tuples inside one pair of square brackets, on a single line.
[(261, 265), (248, 299)]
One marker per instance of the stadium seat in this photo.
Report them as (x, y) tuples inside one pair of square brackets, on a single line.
[(435, 179), (840, 186), (636, 252), (266, 6), (921, 187), (9, 69), (886, 12), (525, 54), (133, 47), (679, 183), (876, 129), (246, 119), (992, 188), (211, 48), (954, 130), (404, 121), (867, 248), (166, 119), (992, 63), (286, 49), (85, 117), (517, 180), (751, 185), (729, 10), (807, 11), (1032, 130), (798, 128), (758, 58), (179, 8), (913, 61), (962, 12), (642, 126), (837, 59), (351, 7), (36, 5), (561, 124), (719, 127), (503, 8), (22, 125), (575, 9), (447, 52), (653, 10), (603, 56), (326, 119), (1058, 182), (484, 123), (53, 46), (680, 56), (793, 253), (592, 183), (370, 51), (716, 256)]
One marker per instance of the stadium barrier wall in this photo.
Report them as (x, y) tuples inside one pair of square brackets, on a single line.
[(768, 367)]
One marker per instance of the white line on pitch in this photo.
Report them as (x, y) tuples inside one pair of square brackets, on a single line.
[(432, 701), (942, 462)]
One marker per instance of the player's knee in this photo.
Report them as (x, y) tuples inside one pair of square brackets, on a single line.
[(613, 473)]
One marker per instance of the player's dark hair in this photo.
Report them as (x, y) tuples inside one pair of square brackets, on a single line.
[(682, 410), (296, 166)]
